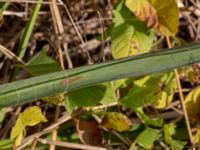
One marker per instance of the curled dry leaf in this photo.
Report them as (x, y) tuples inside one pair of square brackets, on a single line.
[(89, 132)]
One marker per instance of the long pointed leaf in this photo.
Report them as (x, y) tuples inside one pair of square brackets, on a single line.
[(28, 90)]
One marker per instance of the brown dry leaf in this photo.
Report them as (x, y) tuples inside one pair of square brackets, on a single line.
[(89, 132)]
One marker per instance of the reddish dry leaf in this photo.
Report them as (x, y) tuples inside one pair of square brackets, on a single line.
[(89, 132)]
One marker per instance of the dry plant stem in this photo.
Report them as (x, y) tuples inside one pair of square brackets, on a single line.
[(28, 1), (100, 107), (68, 58), (70, 145), (182, 100), (66, 117), (33, 144), (58, 26), (10, 54)]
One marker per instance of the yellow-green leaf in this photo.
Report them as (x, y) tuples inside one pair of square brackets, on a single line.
[(196, 137), (121, 40), (55, 99), (32, 116), (147, 138), (192, 103), (164, 100), (17, 129), (160, 15), (116, 121), (19, 139), (1, 19)]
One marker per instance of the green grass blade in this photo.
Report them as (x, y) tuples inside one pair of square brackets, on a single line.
[(28, 90), (28, 31)]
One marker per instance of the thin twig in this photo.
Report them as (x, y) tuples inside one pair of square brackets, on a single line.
[(10, 54), (59, 29), (78, 33), (70, 145), (182, 99), (28, 1)]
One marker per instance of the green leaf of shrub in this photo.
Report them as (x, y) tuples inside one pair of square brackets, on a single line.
[(42, 64), (87, 96), (147, 138), (169, 130), (116, 121), (156, 122), (109, 96), (136, 97), (121, 40)]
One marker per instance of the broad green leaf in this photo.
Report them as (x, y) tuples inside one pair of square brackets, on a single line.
[(192, 103), (87, 96), (69, 105), (32, 116), (109, 96), (169, 130), (136, 97), (121, 40), (161, 15), (147, 138), (41, 64), (156, 122), (143, 41), (35, 88), (116, 121), (148, 81)]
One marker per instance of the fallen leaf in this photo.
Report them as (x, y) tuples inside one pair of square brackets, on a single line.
[(89, 132)]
